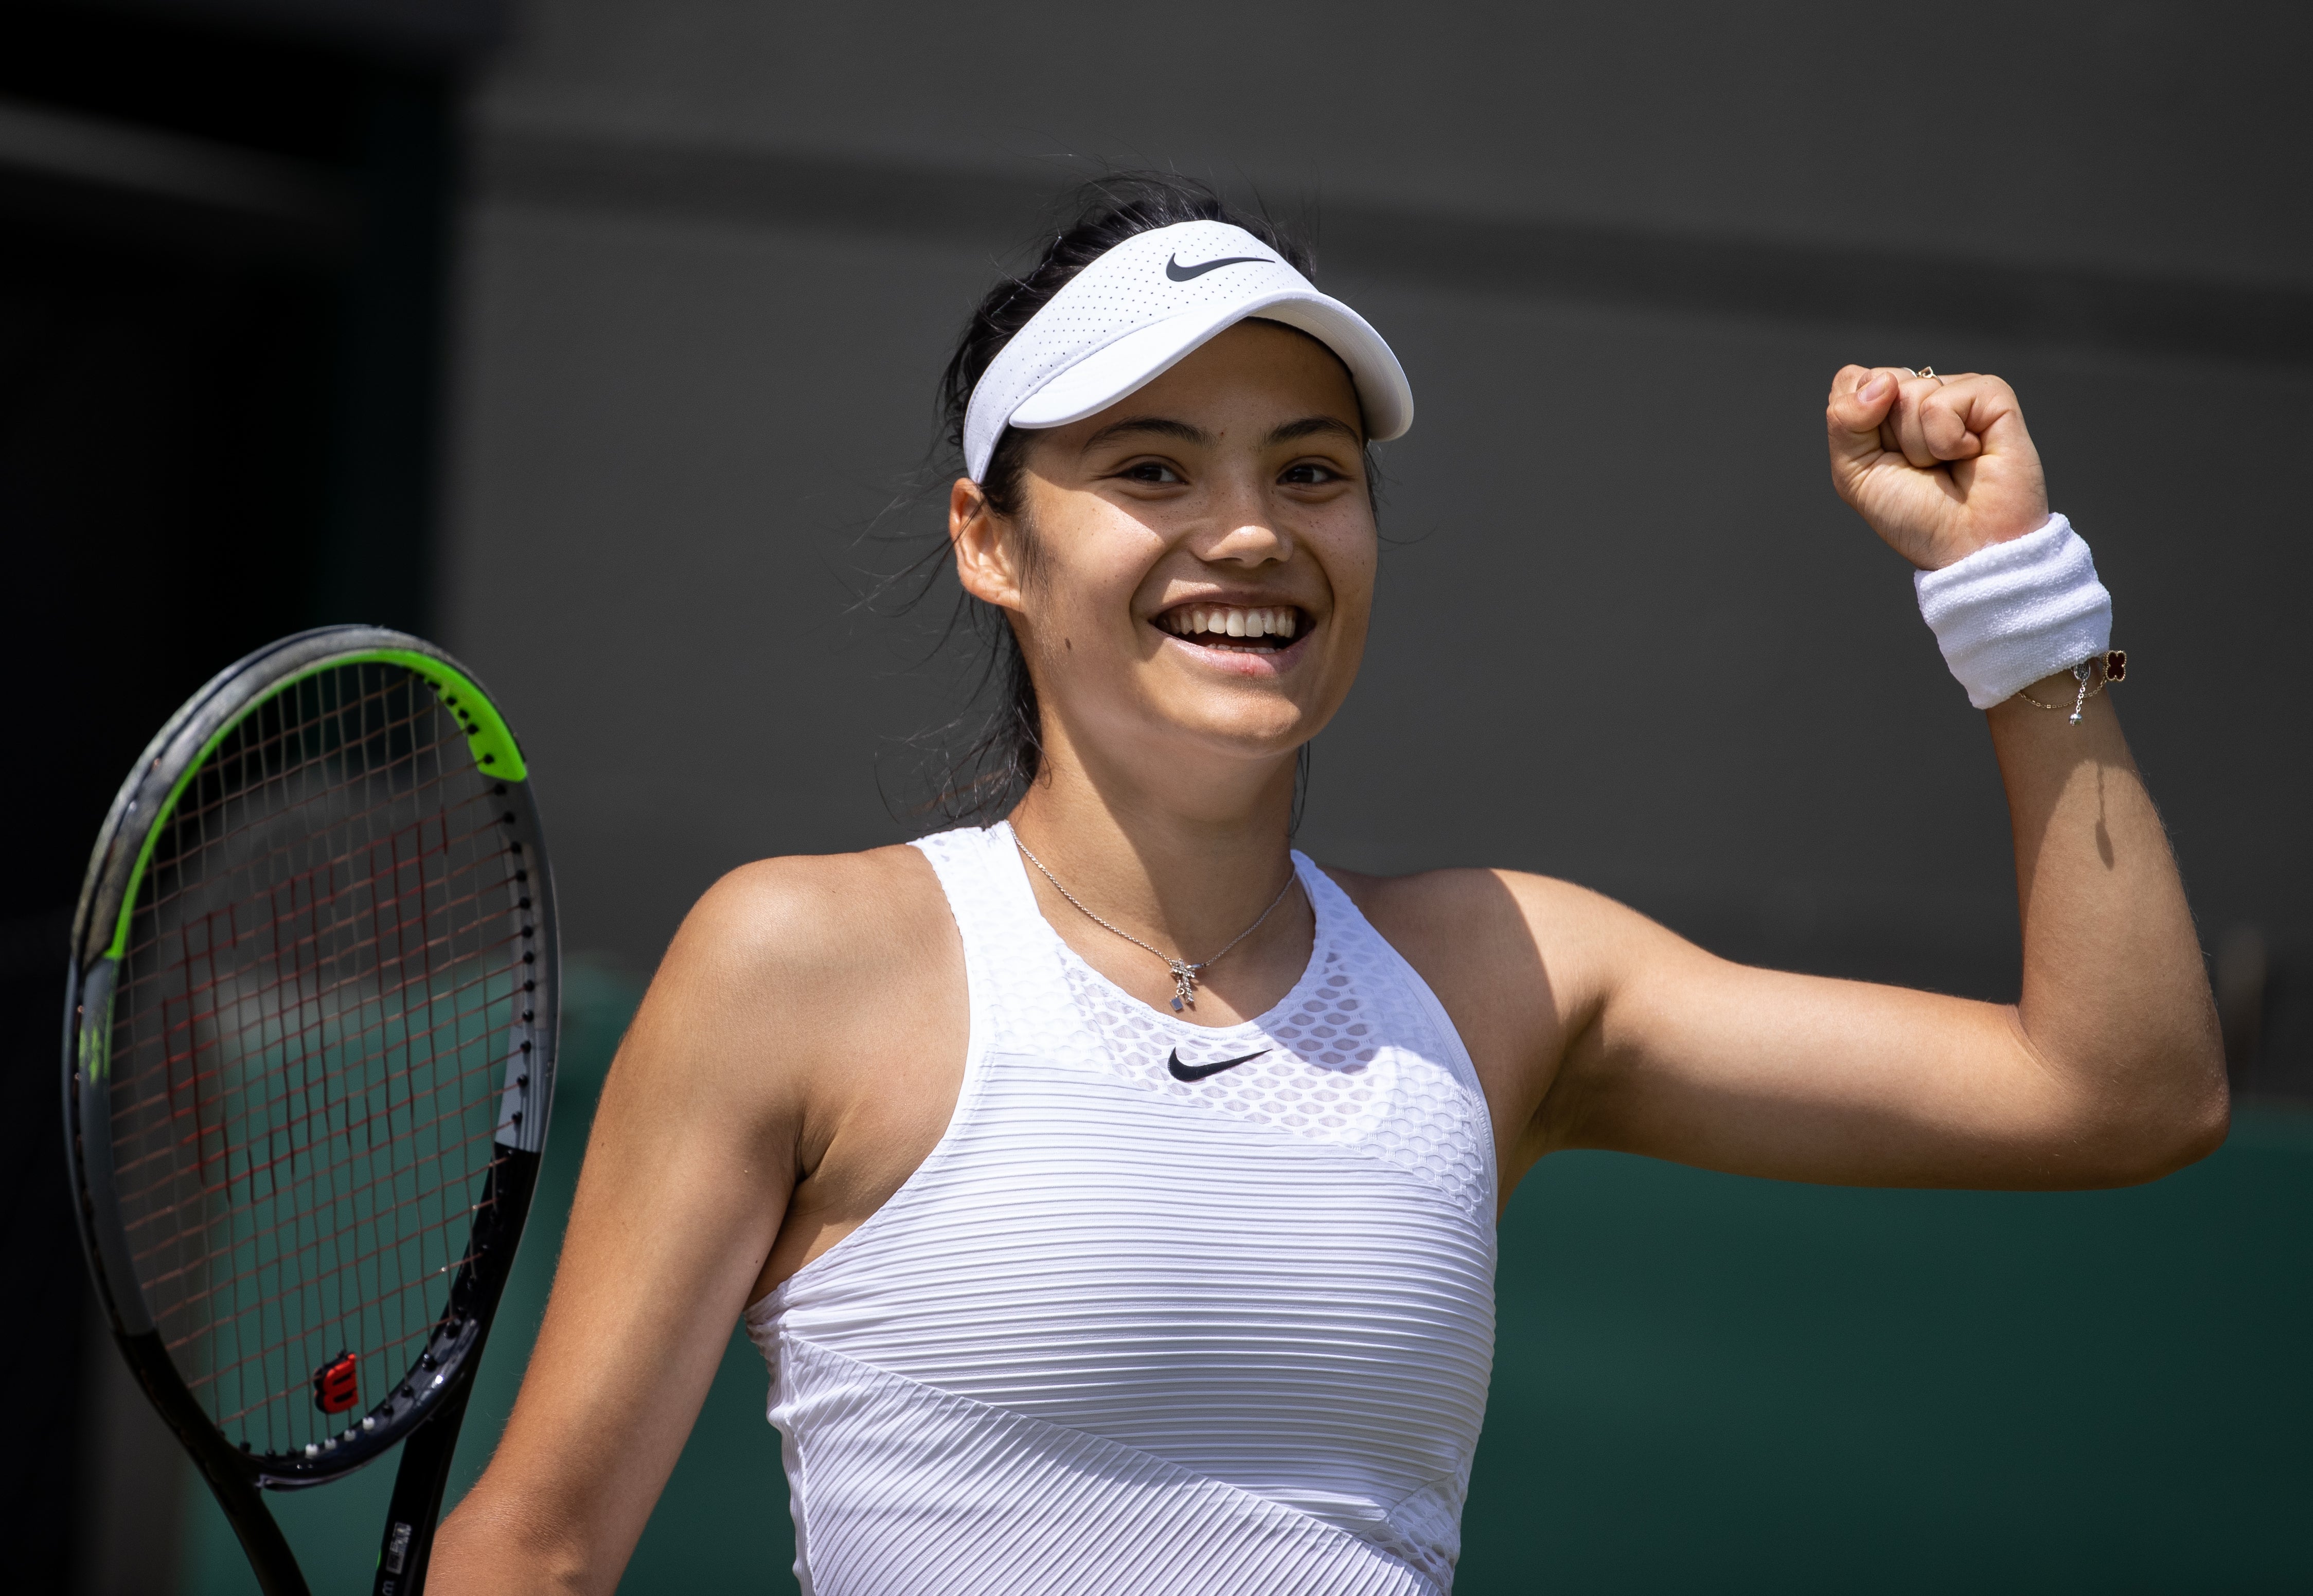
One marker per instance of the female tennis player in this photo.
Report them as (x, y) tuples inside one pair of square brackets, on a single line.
[(1112, 1190)]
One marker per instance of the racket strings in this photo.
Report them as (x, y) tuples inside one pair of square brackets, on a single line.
[(321, 867), (301, 953), (314, 705), (244, 763), (321, 973), (160, 1161), (392, 1178), (402, 1334), (181, 1019), (187, 1024), (158, 1277), (266, 1016)]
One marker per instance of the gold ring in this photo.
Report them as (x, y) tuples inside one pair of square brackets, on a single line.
[(1929, 370)]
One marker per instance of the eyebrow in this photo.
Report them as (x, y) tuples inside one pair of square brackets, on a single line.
[(1308, 426), (1157, 425)]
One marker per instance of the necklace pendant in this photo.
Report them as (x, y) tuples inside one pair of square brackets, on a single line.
[(1185, 985)]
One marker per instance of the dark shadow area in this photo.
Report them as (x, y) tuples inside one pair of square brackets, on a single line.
[(221, 261)]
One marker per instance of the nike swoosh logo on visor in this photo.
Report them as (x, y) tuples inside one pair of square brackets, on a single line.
[(1182, 273), (1198, 1072)]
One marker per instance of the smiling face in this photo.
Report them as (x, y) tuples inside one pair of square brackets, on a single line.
[(1195, 571)]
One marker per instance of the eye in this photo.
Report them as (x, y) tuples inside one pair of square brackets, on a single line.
[(1309, 473), (1149, 470)]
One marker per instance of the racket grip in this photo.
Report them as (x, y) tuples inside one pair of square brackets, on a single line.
[(417, 1485)]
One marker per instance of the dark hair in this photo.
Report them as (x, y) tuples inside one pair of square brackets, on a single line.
[(986, 776)]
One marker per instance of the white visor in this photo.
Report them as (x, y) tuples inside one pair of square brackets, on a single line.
[(1139, 309)]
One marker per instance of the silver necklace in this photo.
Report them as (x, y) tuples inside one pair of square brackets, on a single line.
[(1184, 974)]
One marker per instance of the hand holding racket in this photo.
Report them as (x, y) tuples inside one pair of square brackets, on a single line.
[(309, 1056)]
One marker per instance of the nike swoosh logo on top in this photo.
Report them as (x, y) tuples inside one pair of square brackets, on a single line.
[(1198, 1072), (1182, 273)]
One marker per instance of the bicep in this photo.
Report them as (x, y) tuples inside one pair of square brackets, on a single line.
[(1688, 1057)]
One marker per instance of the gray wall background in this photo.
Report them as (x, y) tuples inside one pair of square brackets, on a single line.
[(715, 253)]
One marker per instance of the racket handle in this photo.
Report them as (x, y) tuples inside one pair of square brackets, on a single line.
[(417, 1486)]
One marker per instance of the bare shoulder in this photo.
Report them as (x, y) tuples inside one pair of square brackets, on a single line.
[(785, 962), (829, 994), (823, 918), (1492, 920)]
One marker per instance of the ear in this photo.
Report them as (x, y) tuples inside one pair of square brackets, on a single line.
[(985, 545)]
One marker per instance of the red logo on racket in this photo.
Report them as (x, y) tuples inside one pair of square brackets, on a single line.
[(336, 1387)]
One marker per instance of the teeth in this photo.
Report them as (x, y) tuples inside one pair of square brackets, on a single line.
[(1225, 621)]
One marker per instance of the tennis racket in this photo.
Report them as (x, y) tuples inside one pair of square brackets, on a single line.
[(309, 1054)]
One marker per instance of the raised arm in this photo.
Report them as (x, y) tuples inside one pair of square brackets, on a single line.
[(2108, 1068), (2107, 1071), (1596, 1027), (733, 1081)]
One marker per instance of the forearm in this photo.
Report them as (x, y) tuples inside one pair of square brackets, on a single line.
[(605, 1408), (2115, 1001)]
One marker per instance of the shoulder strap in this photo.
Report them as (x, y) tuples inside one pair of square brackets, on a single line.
[(1010, 954), (1421, 1007)]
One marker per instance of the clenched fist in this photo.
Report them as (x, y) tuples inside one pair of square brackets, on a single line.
[(1939, 466)]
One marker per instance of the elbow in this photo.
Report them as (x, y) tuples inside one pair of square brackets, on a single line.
[(2188, 1138), (2168, 1129), (492, 1545), (2204, 1117), (2212, 1122)]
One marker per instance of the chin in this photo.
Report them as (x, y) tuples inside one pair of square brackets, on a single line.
[(1253, 739)]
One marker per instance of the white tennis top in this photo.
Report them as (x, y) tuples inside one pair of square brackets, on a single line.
[(1131, 1335)]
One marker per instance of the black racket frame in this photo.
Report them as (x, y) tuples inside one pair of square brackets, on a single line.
[(424, 1408)]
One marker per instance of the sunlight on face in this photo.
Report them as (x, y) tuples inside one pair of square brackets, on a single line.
[(1206, 551)]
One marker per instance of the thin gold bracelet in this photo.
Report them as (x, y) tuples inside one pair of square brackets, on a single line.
[(2110, 666)]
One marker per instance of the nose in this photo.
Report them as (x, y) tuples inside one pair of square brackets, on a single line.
[(1243, 529)]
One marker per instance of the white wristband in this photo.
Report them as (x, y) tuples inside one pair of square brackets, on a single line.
[(2008, 615)]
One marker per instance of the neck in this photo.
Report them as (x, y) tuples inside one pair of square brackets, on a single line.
[(1185, 859)]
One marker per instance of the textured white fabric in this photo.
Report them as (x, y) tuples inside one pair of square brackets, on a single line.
[(2011, 614), (1133, 314), (1125, 1334)]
